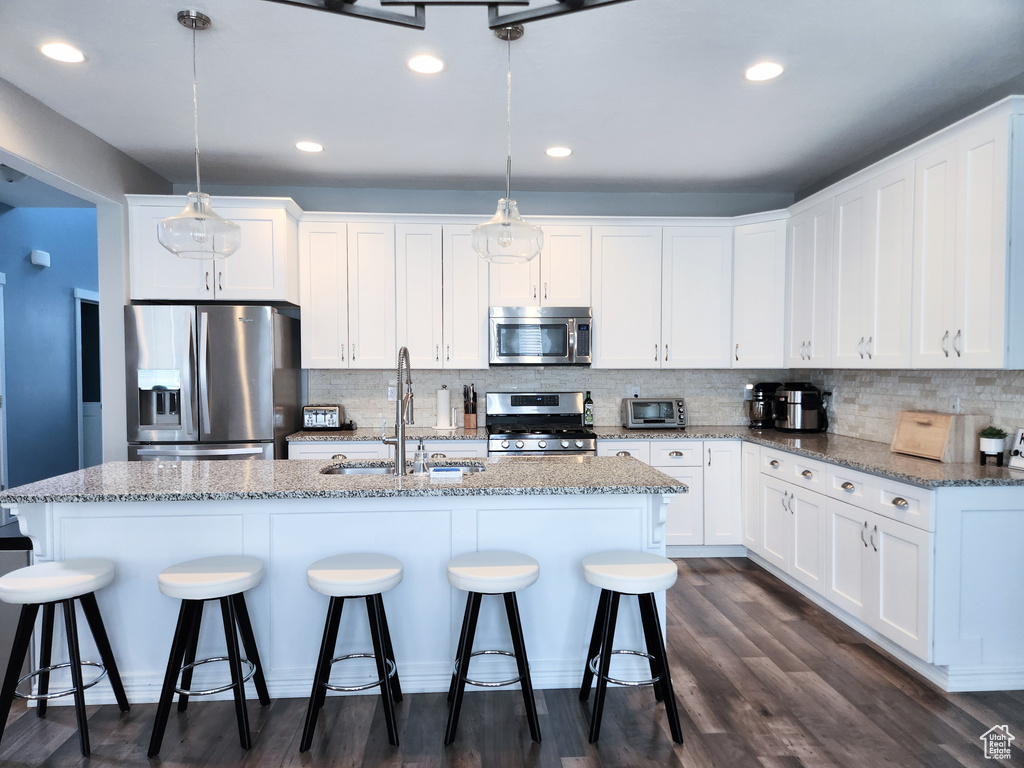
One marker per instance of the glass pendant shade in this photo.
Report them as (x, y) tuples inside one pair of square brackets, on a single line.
[(198, 232), (507, 238)]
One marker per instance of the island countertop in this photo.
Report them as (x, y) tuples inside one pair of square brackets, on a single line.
[(302, 479)]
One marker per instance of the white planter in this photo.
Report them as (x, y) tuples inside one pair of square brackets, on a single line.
[(991, 445)]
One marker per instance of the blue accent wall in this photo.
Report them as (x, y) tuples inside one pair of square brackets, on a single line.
[(39, 314)]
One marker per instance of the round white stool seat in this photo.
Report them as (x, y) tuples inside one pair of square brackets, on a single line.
[(631, 573), (211, 577), (492, 572), (355, 574), (62, 580)]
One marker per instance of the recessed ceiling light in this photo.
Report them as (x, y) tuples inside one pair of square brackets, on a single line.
[(558, 152), (426, 64), (765, 70), (62, 52), (309, 146)]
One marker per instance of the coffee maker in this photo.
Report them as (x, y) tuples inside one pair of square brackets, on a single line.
[(760, 405)]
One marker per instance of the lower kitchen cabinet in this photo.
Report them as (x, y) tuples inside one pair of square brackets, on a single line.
[(684, 520), (750, 461), (723, 492), (348, 450)]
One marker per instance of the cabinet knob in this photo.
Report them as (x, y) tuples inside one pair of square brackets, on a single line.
[(675, 454), (774, 463), (901, 503), (339, 457), (848, 486), (623, 453), (807, 473)]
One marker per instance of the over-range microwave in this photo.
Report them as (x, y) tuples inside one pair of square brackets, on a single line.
[(541, 335)]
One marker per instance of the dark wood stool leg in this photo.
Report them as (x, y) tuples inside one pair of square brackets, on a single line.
[(515, 627), (377, 635), (458, 652), (249, 643), (45, 654), (652, 649), (191, 645), (607, 638), (396, 685), (472, 614), (323, 671), (595, 643), (670, 698), (227, 609), (19, 650), (186, 615), (75, 660), (99, 634)]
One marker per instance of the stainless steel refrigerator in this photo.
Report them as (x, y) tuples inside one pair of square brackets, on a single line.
[(210, 381)]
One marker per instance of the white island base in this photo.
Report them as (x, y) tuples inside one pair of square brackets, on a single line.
[(424, 612)]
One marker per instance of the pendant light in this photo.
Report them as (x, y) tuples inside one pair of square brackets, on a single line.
[(198, 232), (507, 238)]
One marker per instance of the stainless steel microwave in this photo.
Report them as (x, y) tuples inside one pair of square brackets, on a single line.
[(541, 335)]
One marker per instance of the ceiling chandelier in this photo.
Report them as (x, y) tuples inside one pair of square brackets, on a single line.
[(507, 238), (418, 18), (198, 232)]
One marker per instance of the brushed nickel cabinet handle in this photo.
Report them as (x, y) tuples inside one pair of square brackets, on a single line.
[(623, 453), (675, 454), (666, 353), (785, 494), (535, 290), (437, 353), (774, 463), (807, 473), (901, 503), (447, 351), (339, 457), (207, 279), (353, 351), (709, 457), (655, 352), (862, 532), (942, 344), (860, 347), (956, 347), (809, 345), (848, 486), (872, 537), (545, 290), (220, 280), (737, 353), (342, 351), (867, 348)]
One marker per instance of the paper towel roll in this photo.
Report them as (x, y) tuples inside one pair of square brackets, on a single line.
[(444, 408)]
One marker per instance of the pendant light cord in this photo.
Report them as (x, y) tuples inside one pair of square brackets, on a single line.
[(508, 123), (195, 105)]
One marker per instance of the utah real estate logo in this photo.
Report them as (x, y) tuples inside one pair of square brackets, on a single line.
[(997, 742)]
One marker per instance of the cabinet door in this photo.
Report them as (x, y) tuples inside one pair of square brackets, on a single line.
[(259, 269), (751, 506), (627, 297), (565, 267), (847, 562), (465, 301), (684, 521), (156, 273), (850, 277), (323, 294), (809, 288), (696, 297), (776, 522), (516, 285), (902, 567), (723, 492), (759, 283), (371, 295), (808, 510), (419, 294)]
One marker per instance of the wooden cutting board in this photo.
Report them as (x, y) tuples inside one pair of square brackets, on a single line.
[(946, 437)]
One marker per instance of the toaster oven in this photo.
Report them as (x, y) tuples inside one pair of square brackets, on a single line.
[(654, 413)]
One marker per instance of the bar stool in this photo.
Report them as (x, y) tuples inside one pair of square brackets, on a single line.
[(194, 582), (491, 572), (357, 574), (46, 585), (628, 573)]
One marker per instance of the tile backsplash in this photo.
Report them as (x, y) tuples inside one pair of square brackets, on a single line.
[(865, 404)]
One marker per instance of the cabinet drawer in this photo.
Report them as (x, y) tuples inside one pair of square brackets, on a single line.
[(776, 463), (638, 449), (677, 453), (327, 450), (850, 486), (809, 473), (906, 503)]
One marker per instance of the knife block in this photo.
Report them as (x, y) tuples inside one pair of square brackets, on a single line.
[(469, 421)]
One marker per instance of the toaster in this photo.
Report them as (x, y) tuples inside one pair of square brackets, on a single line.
[(654, 413), (322, 416)]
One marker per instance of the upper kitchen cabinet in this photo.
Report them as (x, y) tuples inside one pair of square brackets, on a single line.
[(371, 295), (558, 277), (323, 262), (696, 297), (809, 288), (264, 268), (464, 301), (627, 297), (872, 241), (759, 288)]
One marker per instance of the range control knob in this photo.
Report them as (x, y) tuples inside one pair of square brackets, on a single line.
[(519, 443), (565, 443), (504, 443), (579, 443), (542, 444)]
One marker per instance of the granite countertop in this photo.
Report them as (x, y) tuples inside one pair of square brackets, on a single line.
[(301, 479)]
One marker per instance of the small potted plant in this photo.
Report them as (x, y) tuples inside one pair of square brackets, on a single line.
[(991, 441)]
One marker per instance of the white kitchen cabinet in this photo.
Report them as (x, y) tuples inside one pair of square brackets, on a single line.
[(809, 288), (627, 297), (682, 460), (638, 449), (793, 527), (323, 257), (264, 268), (419, 295), (873, 239), (759, 292), (751, 469), (696, 297), (464, 301), (723, 514), (371, 295), (351, 450), (454, 449), (558, 277), (776, 526), (959, 300)]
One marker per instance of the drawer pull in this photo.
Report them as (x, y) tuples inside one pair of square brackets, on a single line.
[(872, 537), (862, 531), (774, 463), (339, 457), (438, 456), (807, 473), (848, 487), (901, 503), (623, 453), (675, 454)]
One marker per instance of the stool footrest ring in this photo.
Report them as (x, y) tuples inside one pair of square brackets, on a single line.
[(221, 689), (389, 666), (594, 662), (484, 683), (58, 694)]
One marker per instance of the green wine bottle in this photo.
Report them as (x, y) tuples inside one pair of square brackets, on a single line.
[(588, 410)]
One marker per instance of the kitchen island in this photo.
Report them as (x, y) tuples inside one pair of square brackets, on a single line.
[(147, 515)]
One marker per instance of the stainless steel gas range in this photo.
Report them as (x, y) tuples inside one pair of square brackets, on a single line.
[(537, 424)]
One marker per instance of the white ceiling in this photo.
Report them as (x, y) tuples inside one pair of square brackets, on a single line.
[(650, 93)]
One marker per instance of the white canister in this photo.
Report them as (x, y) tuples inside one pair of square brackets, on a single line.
[(444, 408)]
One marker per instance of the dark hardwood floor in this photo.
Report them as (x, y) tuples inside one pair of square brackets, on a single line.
[(763, 679)]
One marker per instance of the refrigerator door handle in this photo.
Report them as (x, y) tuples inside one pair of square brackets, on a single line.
[(204, 383), (173, 451), (189, 408)]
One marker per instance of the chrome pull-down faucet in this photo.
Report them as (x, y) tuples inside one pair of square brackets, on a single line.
[(403, 410)]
